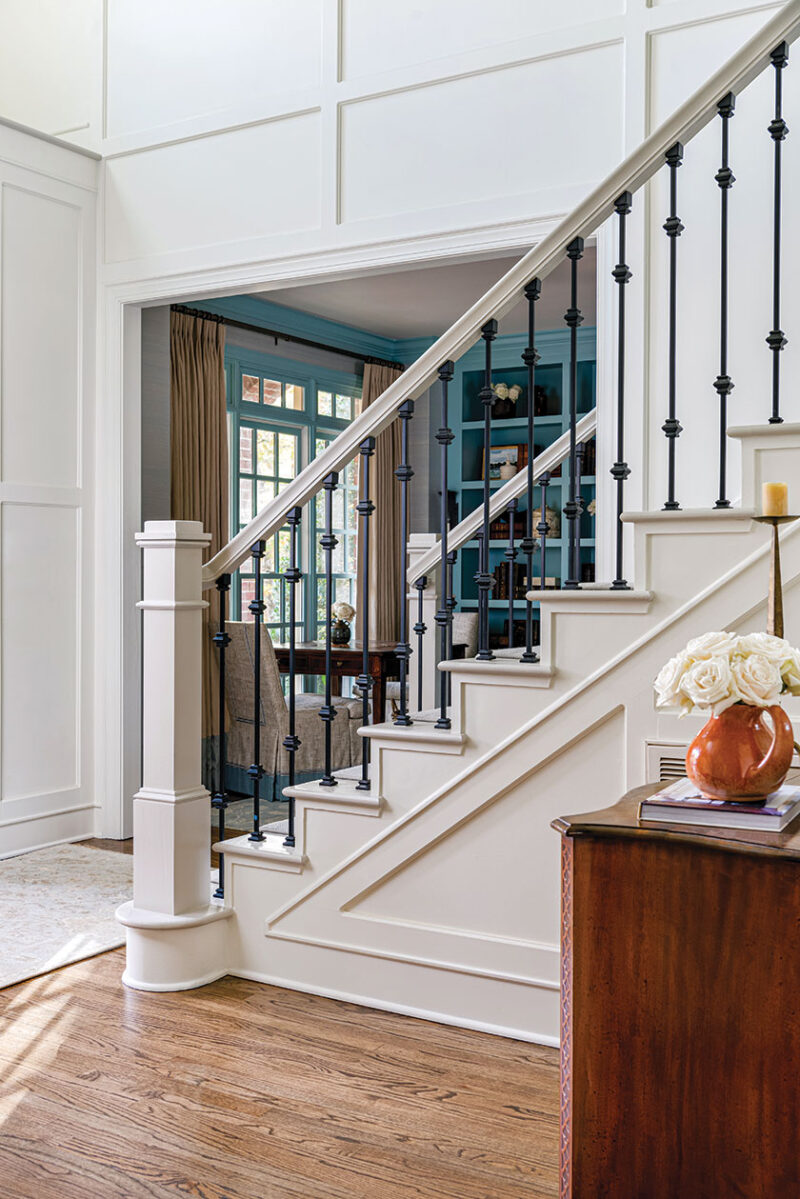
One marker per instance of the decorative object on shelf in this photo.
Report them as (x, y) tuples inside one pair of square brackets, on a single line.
[(553, 519), (739, 679), (515, 456), (546, 401), (591, 507), (504, 405), (342, 614), (507, 470), (774, 509)]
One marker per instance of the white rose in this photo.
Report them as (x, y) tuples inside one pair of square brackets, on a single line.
[(514, 392), (668, 681), (501, 391), (757, 680), (342, 611), (774, 648), (708, 683), (711, 645), (790, 672)]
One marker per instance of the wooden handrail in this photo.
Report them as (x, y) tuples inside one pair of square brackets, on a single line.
[(635, 170)]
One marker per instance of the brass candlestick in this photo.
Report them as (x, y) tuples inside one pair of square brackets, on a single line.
[(775, 600)]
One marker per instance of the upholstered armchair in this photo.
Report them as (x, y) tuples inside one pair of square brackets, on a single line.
[(310, 759)]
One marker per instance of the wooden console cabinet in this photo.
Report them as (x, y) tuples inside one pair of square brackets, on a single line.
[(680, 1009)]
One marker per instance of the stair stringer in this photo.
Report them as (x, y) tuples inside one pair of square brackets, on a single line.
[(338, 938)]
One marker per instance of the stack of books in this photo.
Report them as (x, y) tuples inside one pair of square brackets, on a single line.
[(682, 803)]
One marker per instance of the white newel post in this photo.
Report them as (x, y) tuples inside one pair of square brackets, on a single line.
[(418, 544), (175, 932)]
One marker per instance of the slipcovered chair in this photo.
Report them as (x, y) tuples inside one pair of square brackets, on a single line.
[(465, 645), (310, 757)]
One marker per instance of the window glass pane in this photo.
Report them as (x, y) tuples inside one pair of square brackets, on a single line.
[(283, 550), (319, 556), (351, 473), (266, 490), (250, 388), (351, 514), (324, 404), (350, 554), (246, 450), (338, 509), (287, 455), (338, 558), (248, 594), (319, 445), (321, 601), (245, 501), (268, 561), (272, 392), (265, 450), (344, 407), (272, 599), (343, 589), (295, 396)]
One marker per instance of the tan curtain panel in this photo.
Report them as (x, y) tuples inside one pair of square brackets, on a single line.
[(199, 459), (384, 543)]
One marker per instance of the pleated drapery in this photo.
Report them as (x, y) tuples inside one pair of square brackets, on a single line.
[(199, 460), (384, 544)]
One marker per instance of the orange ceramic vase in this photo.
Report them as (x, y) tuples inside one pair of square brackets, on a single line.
[(735, 756)]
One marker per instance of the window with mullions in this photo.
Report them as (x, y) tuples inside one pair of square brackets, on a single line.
[(282, 413), (345, 528)]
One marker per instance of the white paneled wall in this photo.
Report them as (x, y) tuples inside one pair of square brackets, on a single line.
[(47, 287)]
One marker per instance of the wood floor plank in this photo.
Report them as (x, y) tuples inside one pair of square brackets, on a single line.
[(241, 1091)]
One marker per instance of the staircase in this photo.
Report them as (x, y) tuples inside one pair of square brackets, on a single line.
[(426, 881)]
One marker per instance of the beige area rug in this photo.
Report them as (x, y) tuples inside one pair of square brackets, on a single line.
[(58, 906)]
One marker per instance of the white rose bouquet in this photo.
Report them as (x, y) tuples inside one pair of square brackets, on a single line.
[(718, 670), (342, 611)]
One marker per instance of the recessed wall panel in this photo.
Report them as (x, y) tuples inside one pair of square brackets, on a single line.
[(40, 339), (378, 35), (169, 62), (39, 689), (248, 183), (527, 129)]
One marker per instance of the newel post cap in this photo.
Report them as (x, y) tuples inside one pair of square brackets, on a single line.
[(173, 532)]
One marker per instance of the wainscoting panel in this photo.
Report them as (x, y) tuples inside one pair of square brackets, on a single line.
[(459, 135)]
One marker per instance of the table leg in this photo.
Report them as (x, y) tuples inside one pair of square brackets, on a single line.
[(378, 674)]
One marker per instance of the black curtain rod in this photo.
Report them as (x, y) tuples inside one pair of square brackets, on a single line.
[(301, 341)]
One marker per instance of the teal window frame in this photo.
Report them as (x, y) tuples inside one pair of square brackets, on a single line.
[(309, 427)]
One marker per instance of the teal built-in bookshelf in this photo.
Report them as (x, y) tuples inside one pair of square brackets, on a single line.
[(551, 415)]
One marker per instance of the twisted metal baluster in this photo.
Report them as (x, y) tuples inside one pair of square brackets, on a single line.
[(723, 384), (778, 129), (574, 505), (256, 770), (673, 228), (444, 616), (530, 357), (291, 742), (328, 712), (404, 474), (365, 508), (620, 471), (219, 799), (483, 578)]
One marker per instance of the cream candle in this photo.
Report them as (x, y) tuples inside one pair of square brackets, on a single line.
[(775, 499)]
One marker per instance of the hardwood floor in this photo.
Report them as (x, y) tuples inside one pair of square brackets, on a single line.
[(242, 1091)]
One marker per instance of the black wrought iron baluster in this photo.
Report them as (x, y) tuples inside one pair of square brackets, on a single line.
[(483, 578), (574, 505), (219, 799), (672, 427), (778, 129), (327, 711), (420, 628), (723, 384), (511, 558), (580, 452), (256, 770), (620, 470), (404, 474), (444, 616), (291, 742), (450, 604), (543, 528), (530, 357), (365, 508)]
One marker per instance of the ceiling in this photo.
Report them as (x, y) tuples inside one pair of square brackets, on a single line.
[(426, 301)]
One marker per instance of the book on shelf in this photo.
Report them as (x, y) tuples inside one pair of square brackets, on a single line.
[(682, 803)]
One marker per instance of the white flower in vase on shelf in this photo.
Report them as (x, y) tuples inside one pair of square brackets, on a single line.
[(720, 669), (500, 390)]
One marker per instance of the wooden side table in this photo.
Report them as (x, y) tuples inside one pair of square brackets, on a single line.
[(680, 1009), (346, 662)]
